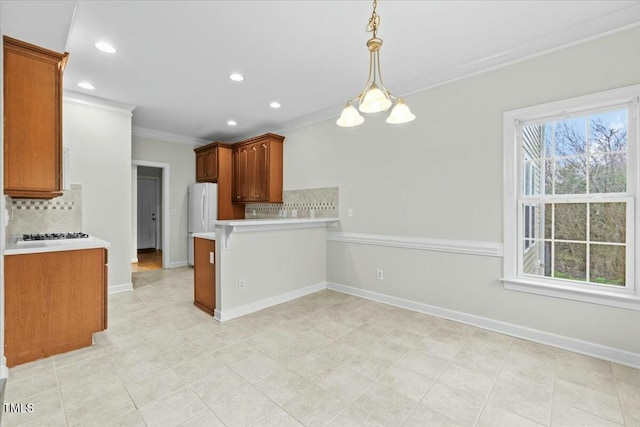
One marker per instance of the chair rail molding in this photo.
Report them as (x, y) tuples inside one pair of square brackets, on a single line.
[(469, 247)]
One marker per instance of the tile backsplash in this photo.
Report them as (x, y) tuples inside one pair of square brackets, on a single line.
[(310, 203), (60, 214)]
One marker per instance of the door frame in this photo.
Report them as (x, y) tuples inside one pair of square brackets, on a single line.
[(158, 182), (166, 218)]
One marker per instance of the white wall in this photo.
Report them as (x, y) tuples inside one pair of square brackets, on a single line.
[(275, 265), (181, 160), (441, 177), (98, 134)]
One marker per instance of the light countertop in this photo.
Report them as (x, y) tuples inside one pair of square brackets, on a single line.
[(14, 248), (208, 236), (226, 228), (273, 221)]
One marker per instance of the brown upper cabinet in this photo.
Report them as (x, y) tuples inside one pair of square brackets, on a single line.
[(257, 169), (32, 120), (207, 163), (213, 164)]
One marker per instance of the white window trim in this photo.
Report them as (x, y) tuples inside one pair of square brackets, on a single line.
[(511, 278)]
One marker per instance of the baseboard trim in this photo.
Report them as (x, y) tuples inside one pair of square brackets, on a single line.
[(178, 264), (122, 287), (243, 310), (584, 347), (468, 247)]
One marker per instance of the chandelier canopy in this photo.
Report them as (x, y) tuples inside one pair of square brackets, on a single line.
[(375, 97)]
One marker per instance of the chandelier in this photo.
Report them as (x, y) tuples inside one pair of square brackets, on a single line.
[(375, 97)]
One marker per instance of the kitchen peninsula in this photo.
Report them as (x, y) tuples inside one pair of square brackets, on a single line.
[(263, 262)]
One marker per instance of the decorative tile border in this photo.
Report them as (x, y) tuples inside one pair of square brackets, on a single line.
[(311, 203), (41, 205)]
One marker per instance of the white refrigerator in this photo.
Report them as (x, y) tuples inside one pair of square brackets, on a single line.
[(203, 211)]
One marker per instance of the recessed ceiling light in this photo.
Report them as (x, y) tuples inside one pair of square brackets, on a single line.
[(275, 104), (232, 123), (236, 77), (86, 85), (105, 47)]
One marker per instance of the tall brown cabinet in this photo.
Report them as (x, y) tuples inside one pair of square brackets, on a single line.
[(213, 164), (32, 120)]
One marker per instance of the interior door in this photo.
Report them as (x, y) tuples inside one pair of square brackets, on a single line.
[(147, 212)]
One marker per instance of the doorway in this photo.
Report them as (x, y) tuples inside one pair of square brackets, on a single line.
[(161, 171), (149, 219)]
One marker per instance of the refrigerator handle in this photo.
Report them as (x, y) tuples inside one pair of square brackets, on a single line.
[(202, 208)]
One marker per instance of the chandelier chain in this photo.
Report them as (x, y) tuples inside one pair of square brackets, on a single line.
[(374, 21)]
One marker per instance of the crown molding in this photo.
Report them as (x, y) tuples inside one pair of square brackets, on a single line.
[(168, 137), (571, 36), (94, 101)]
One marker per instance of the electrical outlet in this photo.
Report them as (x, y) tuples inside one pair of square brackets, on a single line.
[(349, 212), (380, 274), (312, 213), (241, 285), (294, 213)]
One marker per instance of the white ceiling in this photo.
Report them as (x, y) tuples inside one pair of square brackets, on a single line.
[(174, 57)]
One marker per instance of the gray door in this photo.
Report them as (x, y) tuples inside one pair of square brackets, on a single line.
[(147, 212)]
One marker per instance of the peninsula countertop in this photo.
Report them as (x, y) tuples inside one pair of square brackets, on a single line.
[(224, 229)]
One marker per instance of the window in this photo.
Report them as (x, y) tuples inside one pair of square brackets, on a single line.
[(570, 195)]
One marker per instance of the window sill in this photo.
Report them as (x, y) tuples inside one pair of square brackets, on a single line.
[(613, 299)]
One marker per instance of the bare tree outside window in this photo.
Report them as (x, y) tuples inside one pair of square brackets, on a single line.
[(582, 155)]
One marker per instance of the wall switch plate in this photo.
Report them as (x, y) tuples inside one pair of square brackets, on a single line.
[(241, 285), (212, 258), (350, 212), (380, 274)]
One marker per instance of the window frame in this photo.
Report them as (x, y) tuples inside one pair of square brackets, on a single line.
[(514, 193)]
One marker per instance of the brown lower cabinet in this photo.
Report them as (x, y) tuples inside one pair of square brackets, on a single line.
[(54, 302), (204, 275)]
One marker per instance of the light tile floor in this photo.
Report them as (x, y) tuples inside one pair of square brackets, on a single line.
[(325, 359)]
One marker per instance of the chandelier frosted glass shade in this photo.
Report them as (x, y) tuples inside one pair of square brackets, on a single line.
[(400, 113), (349, 117), (374, 101), (375, 97)]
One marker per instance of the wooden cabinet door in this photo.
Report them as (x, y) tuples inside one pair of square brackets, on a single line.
[(251, 173), (262, 172), (242, 175), (235, 172), (33, 120), (207, 165), (204, 275), (211, 164), (201, 171), (54, 302)]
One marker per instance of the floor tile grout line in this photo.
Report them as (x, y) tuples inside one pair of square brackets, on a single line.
[(493, 384), (64, 412), (436, 379), (381, 375), (615, 382)]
